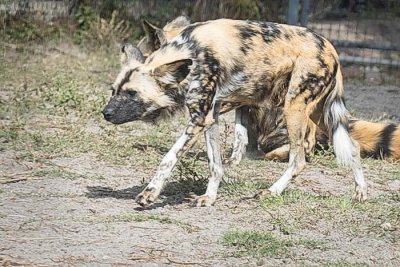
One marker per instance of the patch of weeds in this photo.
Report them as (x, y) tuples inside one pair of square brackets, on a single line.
[(57, 173), (382, 211), (288, 197), (324, 158), (148, 217), (292, 197), (63, 92), (237, 187), (8, 135), (383, 168), (313, 244), (190, 176), (189, 167), (282, 225), (27, 29), (257, 244), (266, 244)]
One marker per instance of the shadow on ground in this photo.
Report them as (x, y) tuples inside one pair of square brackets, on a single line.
[(174, 193)]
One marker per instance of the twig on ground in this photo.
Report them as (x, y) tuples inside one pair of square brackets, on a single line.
[(15, 180)]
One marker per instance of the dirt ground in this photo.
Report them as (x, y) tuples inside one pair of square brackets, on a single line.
[(68, 182)]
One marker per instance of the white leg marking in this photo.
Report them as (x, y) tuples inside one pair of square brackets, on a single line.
[(347, 154), (280, 185), (241, 139), (168, 162), (215, 163)]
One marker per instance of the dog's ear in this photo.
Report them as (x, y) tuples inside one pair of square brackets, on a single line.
[(178, 23), (174, 72), (155, 37), (131, 54)]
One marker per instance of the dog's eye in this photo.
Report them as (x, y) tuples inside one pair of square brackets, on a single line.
[(131, 93)]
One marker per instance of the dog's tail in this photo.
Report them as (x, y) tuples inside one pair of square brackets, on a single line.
[(336, 118), (378, 140)]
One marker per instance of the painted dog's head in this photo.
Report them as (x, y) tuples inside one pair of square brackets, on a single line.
[(147, 91)]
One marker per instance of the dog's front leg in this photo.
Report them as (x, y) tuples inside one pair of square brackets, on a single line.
[(185, 141), (214, 162)]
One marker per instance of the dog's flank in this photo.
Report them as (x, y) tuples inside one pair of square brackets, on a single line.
[(211, 63)]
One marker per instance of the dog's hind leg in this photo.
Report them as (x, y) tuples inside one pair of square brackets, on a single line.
[(306, 88), (241, 136), (296, 118), (245, 136)]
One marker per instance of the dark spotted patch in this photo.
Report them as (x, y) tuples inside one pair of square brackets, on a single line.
[(319, 40), (271, 127), (287, 36), (209, 73), (321, 61), (246, 33), (303, 33), (262, 84), (125, 79), (316, 84), (270, 31), (383, 146), (246, 47), (313, 83), (237, 68)]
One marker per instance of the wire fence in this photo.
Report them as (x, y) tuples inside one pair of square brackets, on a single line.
[(365, 32)]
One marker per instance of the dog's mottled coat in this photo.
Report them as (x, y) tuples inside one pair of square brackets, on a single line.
[(266, 125), (238, 63)]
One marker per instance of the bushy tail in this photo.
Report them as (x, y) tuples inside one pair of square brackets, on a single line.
[(337, 122), (378, 140)]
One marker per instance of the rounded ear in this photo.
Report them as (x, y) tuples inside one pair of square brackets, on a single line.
[(174, 72), (130, 53)]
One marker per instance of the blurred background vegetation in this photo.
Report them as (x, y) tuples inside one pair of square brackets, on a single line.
[(120, 19), (365, 32)]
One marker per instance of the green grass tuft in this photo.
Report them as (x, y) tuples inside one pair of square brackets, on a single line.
[(256, 244)]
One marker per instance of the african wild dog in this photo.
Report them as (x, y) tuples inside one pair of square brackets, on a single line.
[(241, 63), (266, 127)]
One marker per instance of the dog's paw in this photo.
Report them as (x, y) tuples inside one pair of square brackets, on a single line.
[(147, 197), (264, 193), (204, 201), (232, 161), (360, 195)]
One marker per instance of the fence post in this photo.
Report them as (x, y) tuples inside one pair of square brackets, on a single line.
[(305, 8), (293, 12)]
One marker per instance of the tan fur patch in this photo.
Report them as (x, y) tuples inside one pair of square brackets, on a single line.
[(396, 145), (367, 135)]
